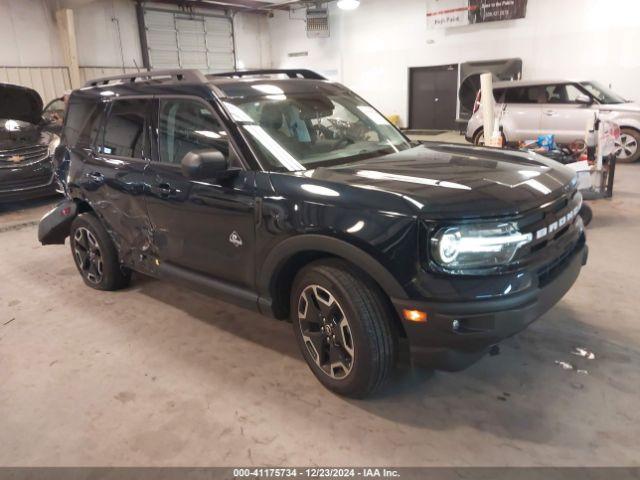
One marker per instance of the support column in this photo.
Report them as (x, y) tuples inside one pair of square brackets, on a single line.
[(67, 30)]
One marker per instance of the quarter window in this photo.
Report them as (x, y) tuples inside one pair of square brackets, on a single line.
[(185, 125), (124, 134)]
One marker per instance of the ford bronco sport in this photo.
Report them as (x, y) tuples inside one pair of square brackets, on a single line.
[(295, 198)]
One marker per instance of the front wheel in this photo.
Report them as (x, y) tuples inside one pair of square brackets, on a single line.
[(628, 146), (342, 325)]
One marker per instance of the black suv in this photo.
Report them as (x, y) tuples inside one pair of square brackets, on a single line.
[(295, 198)]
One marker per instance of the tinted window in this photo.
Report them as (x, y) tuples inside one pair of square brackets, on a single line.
[(82, 122), (124, 134), (534, 94), (186, 125), (564, 93)]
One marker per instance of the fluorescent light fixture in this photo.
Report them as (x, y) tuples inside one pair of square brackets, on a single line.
[(348, 4)]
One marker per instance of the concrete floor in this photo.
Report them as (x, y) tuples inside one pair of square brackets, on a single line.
[(158, 375)]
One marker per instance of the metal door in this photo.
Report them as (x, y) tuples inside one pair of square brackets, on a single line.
[(433, 97)]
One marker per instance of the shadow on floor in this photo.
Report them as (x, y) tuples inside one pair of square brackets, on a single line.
[(512, 395), (273, 334)]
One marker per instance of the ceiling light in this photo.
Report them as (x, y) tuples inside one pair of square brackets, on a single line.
[(348, 4)]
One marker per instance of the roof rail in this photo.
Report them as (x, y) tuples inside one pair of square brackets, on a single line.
[(178, 75), (291, 73)]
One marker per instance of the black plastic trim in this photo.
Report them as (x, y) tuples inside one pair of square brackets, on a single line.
[(209, 286)]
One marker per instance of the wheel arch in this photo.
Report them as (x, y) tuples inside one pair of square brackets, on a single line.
[(287, 258), (476, 133)]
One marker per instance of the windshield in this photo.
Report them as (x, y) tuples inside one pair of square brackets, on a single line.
[(602, 94), (308, 130)]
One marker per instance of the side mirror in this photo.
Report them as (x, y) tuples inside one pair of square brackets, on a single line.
[(203, 164), (584, 99)]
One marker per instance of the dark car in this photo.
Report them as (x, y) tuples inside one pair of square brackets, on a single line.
[(295, 198), (28, 138)]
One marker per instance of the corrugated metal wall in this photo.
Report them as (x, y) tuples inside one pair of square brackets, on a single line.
[(52, 82), (179, 40), (89, 73), (49, 82)]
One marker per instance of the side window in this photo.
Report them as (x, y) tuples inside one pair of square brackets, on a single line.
[(124, 132), (530, 95), (185, 125), (83, 118), (573, 93), (556, 93), (516, 95), (564, 93)]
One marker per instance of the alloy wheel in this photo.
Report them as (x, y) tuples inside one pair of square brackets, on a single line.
[(88, 254), (326, 331), (626, 147)]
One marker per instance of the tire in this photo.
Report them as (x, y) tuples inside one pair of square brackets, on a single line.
[(628, 149), (95, 255), (586, 214), (353, 353), (478, 138)]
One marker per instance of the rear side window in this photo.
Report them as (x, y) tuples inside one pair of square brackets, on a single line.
[(82, 121), (534, 94), (125, 129)]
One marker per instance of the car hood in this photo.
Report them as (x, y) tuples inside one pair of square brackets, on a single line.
[(445, 181), (15, 134), (620, 107), (20, 103)]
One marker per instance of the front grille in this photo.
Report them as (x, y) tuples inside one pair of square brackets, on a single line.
[(17, 157), (550, 271), (551, 215)]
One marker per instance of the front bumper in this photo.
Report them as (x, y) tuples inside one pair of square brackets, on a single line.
[(24, 182), (483, 323)]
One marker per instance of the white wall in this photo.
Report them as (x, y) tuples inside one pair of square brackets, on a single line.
[(29, 38), (97, 34), (371, 48), (253, 47), (28, 34)]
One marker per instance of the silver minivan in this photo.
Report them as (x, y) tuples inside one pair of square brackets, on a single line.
[(561, 108)]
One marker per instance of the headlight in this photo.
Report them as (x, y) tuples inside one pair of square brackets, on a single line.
[(53, 144), (477, 246)]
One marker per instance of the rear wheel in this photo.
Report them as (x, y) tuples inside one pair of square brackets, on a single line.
[(478, 138), (341, 322), (628, 147), (95, 255)]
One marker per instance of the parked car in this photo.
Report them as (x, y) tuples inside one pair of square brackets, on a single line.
[(561, 108), (295, 198), (27, 141)]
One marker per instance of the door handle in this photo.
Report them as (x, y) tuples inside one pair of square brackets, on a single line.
[(96, 177), (549, 113), (165, 190)]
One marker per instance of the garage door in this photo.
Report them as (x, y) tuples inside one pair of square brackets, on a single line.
[(179, 40)]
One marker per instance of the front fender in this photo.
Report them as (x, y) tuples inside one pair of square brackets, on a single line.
[(330, 245)]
